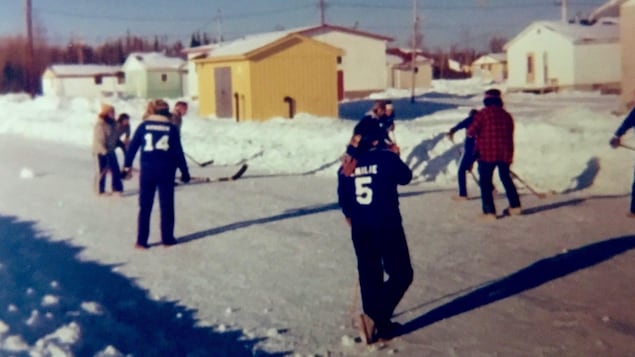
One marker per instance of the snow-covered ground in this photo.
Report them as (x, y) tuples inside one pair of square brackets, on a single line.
[(266, 266)]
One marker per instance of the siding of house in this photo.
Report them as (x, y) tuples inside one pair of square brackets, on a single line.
[(400, 77), (598, 66), (171, 87), (301, 71), (297, 68), (79, 85), (627, 33), (363, 63)]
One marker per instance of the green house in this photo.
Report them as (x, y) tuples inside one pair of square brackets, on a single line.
[(153, 75)]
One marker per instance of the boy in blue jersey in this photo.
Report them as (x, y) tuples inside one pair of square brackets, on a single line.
[(370, 203), (161, 154)]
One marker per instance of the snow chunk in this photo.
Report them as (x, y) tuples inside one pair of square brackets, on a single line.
[(55, 284), (12, 308), (15, 344), (4, 328), (347, 341), (50, 300), (109, 351), (26, 173), (92, 307), (34, 318)]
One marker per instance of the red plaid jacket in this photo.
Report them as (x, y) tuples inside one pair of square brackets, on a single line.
[(493, 128)]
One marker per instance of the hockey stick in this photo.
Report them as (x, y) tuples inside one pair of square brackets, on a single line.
[(627, 147), (538, 194), (201, 164), (238, 174)]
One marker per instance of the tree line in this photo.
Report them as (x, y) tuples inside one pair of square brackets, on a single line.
[(13, 55)]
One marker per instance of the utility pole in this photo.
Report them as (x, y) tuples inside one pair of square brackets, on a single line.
[(30, 87), (219, 24), (413, 55), (322, 6), (564, 11)]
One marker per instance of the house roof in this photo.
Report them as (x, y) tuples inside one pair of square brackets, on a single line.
[(309, 31), (607, 30), (251, 45), (83, 70), (156, 60), (610, 8), (491, 58), (249, 42)]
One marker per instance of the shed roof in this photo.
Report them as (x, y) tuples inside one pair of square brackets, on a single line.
[(607, 30), (156, 60), (83, 70), (251, 45), (491, 58)]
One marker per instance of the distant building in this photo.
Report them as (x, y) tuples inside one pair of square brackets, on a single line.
[(627, 31), (154, 75), (550, 55), (490, 67), (270, 75), (82, 80), (400, 72), (361, 67)]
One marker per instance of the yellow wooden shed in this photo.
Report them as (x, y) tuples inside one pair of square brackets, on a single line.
[(270, 75)]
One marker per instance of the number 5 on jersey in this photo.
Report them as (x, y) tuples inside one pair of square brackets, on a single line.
[(161, 144), (363, 191)]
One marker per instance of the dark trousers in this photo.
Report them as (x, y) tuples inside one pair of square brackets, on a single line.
[(107, 163), (379, 250), (148, 185), (467, 161), (633, 196), (486, 173)]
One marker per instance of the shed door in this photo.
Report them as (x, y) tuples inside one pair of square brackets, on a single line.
[(223, 90)]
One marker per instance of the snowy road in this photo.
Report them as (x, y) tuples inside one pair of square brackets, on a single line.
[(269, 258)]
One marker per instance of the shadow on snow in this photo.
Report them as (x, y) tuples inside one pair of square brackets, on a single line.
[(539, 273), (404, 109), (126, 319)]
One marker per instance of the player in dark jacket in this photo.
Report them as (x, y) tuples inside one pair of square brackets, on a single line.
[(161, 154), (629, 122), (469, 152), (370, 202)]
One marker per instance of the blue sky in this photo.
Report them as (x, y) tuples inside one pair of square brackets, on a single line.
[(444, 22)]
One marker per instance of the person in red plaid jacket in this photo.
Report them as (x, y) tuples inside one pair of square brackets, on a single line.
[(493, 128)]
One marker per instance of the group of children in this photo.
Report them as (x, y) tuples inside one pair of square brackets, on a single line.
[(159, 140)]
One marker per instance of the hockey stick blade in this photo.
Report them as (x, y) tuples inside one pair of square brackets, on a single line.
[(235, 176)]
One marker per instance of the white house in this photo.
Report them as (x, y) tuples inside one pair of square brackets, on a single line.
[(153, 75), (361, 69), (553, 55), (491, 67), (82, 80)]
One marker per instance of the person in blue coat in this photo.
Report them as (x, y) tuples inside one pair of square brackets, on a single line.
[(161, 154), (369, 200), (615, 142), (469, 155)]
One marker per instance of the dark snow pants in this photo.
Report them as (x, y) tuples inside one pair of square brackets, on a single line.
[(467, 161), (149, 183), (382, 249), (107, 163), (486, 173)]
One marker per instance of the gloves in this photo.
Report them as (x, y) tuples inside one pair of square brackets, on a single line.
[(126, 173), (185, 177), (615, 142), (450, 136)]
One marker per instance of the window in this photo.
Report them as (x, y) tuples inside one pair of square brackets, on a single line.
[(98, 79), (339, 59), (531, 76), (121, 78), (164, 77)]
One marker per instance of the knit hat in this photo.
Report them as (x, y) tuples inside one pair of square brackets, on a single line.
[(160, 107), (493, 93), (106, 110)]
